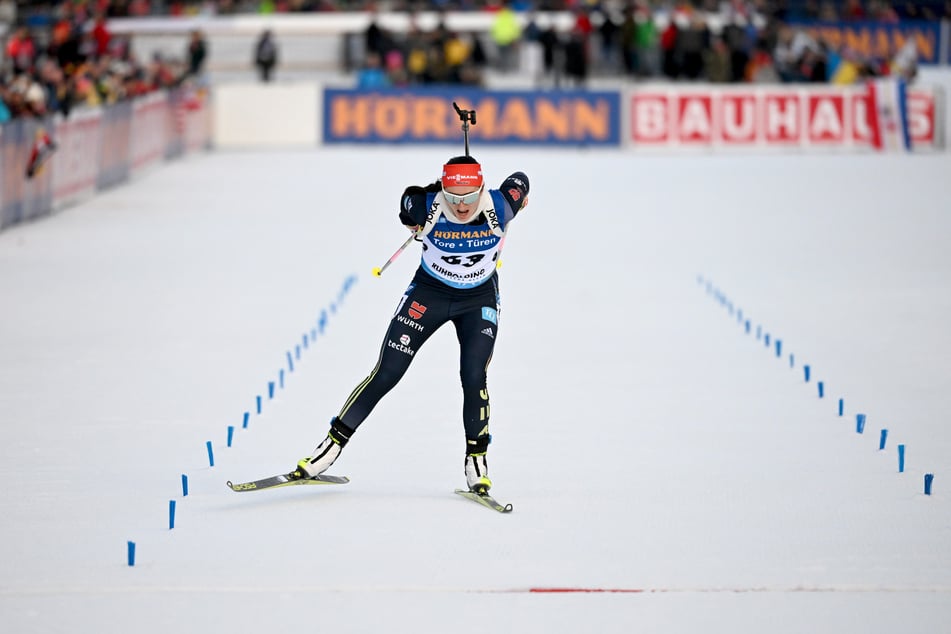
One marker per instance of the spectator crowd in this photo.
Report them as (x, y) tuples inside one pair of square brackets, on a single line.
[(74, 60), (704, 40), (57, 55)]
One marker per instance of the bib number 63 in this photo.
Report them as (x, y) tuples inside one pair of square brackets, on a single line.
[(468, 261)]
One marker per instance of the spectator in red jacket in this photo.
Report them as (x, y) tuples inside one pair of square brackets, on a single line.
[(101, 36), (853, 10), (21, 50)]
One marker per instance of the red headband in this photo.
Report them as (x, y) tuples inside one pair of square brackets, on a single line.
[(462, 175)]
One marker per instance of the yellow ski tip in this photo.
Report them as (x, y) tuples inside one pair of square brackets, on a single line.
[(377, 271)]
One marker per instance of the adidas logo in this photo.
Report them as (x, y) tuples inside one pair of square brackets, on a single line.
[(488, 331)]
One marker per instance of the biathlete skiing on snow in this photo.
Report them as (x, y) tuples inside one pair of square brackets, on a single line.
[(461, 225)]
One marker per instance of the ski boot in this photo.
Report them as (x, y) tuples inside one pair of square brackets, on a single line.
[(326, 452)]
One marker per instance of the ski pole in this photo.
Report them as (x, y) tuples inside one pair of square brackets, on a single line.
[(378, 270), (466, 116)]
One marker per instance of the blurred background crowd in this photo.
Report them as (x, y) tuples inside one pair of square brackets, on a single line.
[(58, 55)]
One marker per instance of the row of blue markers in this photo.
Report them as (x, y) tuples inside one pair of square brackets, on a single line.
[(272, 386), (777, 344)]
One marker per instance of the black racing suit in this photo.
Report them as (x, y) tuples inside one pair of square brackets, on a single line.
[(430, 301)]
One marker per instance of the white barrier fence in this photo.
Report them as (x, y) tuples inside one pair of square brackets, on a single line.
[(96, 149)]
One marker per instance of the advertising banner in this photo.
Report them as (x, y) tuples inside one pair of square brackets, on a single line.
[(149, 130), (74, 172), (47, 164), (876, 40), (776, 116), (189, 121), (887, 105), (420, 116), (114, 162), (38, 181), (195, 110), (13, 158), (24, 192)]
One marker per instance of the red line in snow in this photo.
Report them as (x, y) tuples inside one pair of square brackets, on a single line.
[(581, 590)]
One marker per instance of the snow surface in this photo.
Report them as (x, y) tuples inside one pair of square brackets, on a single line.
[(648, 443)]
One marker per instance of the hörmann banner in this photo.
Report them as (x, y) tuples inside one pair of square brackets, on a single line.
[(420, 116), (878, 40)]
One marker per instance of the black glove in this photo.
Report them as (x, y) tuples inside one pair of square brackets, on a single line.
[(515, 190), (413, 206), (413, 210)]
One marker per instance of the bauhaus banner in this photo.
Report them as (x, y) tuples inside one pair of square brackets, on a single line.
[(780, 116)]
